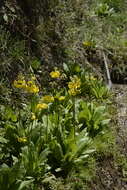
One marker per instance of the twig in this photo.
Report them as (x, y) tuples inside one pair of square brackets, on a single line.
[(107, 71)]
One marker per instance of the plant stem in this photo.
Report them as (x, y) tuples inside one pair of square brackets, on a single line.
[(73, 100), (47, 129)]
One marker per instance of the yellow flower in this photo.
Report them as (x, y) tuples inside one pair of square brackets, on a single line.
[(19, 83), (73, 92), (61, 98), (55, 74), (31, 87), (74, 86), (75, 83), (33, 116), (87, 43), (42, 106), (48, 99), (22, 139)]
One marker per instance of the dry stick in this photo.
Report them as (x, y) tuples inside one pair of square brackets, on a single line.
[(107, 71)]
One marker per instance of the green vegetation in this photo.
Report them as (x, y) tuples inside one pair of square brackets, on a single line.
[(55, 112), (46, 134)]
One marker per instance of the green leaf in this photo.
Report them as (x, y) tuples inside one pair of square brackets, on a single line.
[(85, 114), (96, 126), (35, 64), (3, 140), (5, 17), (9, 114), (58, 169), (65, 67), (105, 122), (57, 149), (13, 117), (25, 184)]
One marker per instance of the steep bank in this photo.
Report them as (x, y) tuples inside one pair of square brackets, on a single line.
[(112, 171)]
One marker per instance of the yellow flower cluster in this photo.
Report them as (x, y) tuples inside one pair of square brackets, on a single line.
[(31, 87), (19, 83), (41, 106), (55, 74), (28, 86), (47, 99), (74, 86), (22, 139)]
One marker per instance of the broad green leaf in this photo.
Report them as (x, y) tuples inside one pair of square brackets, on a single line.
[(3, 140), (105, 122), (65, 67), (5, 17), (25, 184)]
